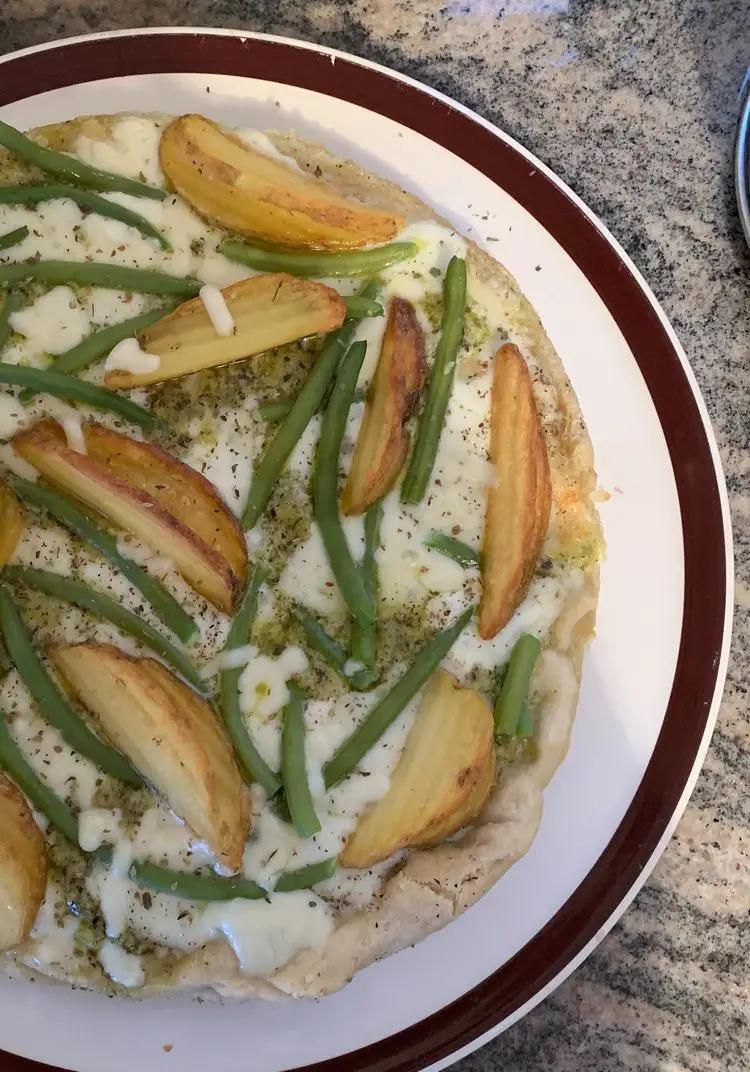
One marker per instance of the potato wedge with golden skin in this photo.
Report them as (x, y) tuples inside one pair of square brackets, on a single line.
[(245, 191), (441, 782), (23, 866), (170, 735), (268, 311), (383, 441), (519, 498), (144, 490), (11, 523)]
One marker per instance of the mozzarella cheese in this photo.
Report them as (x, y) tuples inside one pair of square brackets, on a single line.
[(55, 322), (53, 936), (129, 357), (263, 684), (123, 968), (217, 309), (71, 422), (259, 141)]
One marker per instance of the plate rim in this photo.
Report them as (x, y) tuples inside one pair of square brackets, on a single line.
[(396, 1052)]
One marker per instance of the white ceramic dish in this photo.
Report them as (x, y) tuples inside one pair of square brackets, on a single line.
[(630, 668)]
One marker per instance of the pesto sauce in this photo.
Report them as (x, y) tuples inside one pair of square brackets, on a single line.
[(476, 324), (286, 523)]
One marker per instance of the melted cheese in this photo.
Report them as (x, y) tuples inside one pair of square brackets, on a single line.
[(263, 683), (132, 149), (539, 609), (54, 935), (98, 826), (70, 775), (53, 323), (70, 421), (259, 141), (229, 660), (123, 968), (266, 934), (115, 889), (223, 449), (217, 309), (128, 356)]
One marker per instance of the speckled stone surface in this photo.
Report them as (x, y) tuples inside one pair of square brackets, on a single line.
[(632, 102)]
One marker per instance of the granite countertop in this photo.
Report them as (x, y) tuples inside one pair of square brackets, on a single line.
[(632, 102)]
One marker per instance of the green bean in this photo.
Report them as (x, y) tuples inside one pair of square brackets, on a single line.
[(325, 489), (275, 410), (83, 595), (304, 406), (11, 304), (363, 636), (55, 163), (12, 238), (100, 274), (63, 510), (432, 417), (252, 762), (99, 344), (321, 265), (387, 710), (515, 686), (525, 728), (306, 877), (194, 887), (101, 206), (293, 767), (331, 651), (53, 706), (452, 548), (14, 763), (42, 381), (321, 641), (360, 308)]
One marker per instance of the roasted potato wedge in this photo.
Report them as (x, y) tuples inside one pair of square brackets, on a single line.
[(518, 501), (23, 866), (11, 523), (170, 735), (146, 491), (441, 782), (243, 190), (383, 441), (268, 310)]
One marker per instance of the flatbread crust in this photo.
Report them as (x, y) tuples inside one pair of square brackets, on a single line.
[(432, 886)]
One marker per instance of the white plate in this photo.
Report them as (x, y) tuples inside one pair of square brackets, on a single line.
[(629, 669)]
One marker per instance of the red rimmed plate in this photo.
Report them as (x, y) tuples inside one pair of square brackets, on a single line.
[(653, 676)]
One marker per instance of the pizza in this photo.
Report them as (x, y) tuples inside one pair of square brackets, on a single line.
[(299, 558)]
